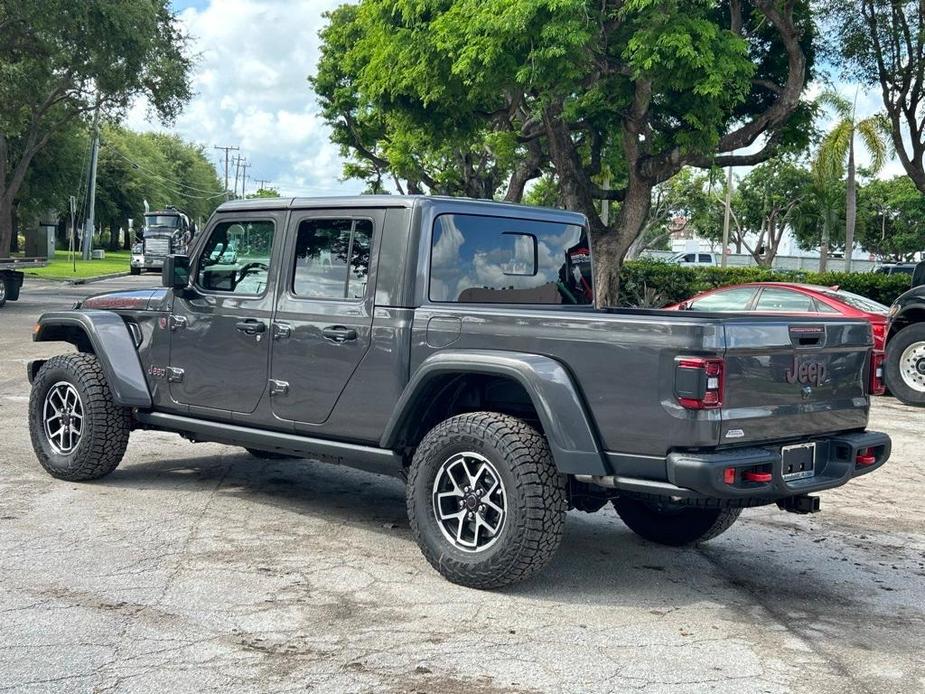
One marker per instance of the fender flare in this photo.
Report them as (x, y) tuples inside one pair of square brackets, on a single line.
[(107, 336), (560, 407)]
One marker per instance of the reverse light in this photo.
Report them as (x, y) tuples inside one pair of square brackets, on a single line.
[(877, 384), (699, 383)]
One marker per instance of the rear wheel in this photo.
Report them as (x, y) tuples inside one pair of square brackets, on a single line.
[(2, 291), (135, 270), (78, 432), (905, 365), (672, 524), (486, 503)]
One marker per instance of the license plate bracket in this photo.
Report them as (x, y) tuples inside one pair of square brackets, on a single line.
[(798, 462)]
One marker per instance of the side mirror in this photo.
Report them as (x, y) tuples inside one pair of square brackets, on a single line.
[(175, 274), (918, 275)]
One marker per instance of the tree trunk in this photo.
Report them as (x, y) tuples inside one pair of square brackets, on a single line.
[(14, 238), (6, 227), (114, 236), (851, 206), (610, 247), (824, 247)]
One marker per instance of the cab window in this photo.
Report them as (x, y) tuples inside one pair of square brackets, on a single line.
[(236, 258)]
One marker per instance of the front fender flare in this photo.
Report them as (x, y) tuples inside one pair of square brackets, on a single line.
[(111, 342), (560, 407)]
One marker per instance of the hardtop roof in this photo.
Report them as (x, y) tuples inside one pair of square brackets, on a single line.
[(437, 203)]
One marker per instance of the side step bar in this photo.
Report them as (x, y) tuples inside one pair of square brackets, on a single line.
[(378, 460)]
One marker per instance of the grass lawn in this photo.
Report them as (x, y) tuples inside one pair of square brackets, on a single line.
[(60, 267)]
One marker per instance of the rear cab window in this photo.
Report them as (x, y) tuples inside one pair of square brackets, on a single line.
[(482, 259)]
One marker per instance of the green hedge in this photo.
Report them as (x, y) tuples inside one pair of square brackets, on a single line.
[(655, 283)]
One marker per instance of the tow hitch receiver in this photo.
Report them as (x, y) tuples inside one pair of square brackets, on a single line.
[(802, 504)]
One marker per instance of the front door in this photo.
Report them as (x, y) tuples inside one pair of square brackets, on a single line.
[(220, 326), (325, 311)]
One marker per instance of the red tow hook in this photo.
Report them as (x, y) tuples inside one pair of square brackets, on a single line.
[(865, 457), (751, 476)]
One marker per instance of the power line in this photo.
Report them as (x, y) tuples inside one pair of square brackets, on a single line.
[(262, 183), (169, 181)]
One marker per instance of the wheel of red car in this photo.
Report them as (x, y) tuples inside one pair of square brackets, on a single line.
[(485, 501), (905, 365), (78, 433), (673, 524)]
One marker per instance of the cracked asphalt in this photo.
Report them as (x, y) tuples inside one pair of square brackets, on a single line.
[(195, 568)]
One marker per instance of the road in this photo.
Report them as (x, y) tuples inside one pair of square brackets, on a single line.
[(195, 568)]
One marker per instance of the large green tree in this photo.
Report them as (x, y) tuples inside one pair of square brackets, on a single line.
[(481, 96), (891, 215), (882, 42), (60, 59)]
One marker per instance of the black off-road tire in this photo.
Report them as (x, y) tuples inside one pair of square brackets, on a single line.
[(269, 455), (106, 426), (536, 499), (895, 347), (672, 524)]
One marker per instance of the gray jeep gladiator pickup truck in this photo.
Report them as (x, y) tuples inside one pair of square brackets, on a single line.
[(455, 343)]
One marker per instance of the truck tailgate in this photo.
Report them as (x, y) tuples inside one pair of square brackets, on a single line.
[(794, 378)]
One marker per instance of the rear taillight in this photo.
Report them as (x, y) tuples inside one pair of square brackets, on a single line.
[(879, 333), (877, 385), (699, 383)]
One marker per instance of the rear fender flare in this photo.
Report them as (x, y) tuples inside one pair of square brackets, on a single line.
[(105, 334), (557, 401)]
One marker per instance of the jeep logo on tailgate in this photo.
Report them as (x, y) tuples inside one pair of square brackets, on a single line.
[(810, 372)]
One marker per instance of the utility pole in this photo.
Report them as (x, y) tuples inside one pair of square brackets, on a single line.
[(226, 150), (237, 172), (245, 166), (727, 215), (87, 245), (263, 183)]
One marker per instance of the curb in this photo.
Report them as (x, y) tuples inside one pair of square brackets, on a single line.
[(90, 280)]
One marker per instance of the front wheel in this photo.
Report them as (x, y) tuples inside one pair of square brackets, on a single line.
[(78, 432), (2, 291), (673, 524), (905, 365), (135, 270), (485, 501)]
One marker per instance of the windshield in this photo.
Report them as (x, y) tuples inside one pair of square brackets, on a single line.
[(162, 220), (855, 301)]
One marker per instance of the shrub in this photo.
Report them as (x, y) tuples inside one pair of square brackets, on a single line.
[(655, 283)]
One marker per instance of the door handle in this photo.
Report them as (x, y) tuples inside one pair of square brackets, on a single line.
[(251, 327), (339, 333)]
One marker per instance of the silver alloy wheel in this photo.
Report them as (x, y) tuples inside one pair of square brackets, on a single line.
[(63, 417), (470, 502), (912, 366), (2, 290)]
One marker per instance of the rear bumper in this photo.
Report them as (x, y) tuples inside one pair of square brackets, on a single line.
[(703, 475)]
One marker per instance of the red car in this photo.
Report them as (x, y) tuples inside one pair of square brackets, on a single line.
[(786, 297)]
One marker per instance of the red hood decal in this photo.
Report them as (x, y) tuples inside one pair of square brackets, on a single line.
[(116, 301)]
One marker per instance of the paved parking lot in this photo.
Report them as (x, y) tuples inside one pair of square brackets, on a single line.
[(195, 568)]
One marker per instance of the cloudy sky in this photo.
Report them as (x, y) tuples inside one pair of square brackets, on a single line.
[(251, 92)]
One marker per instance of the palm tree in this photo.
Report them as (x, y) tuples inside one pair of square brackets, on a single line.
[(837, 147)]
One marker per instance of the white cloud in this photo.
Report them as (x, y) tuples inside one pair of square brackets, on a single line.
[(252, 91)]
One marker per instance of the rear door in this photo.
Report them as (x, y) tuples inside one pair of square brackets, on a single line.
[(324, 313), (794, 377)]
